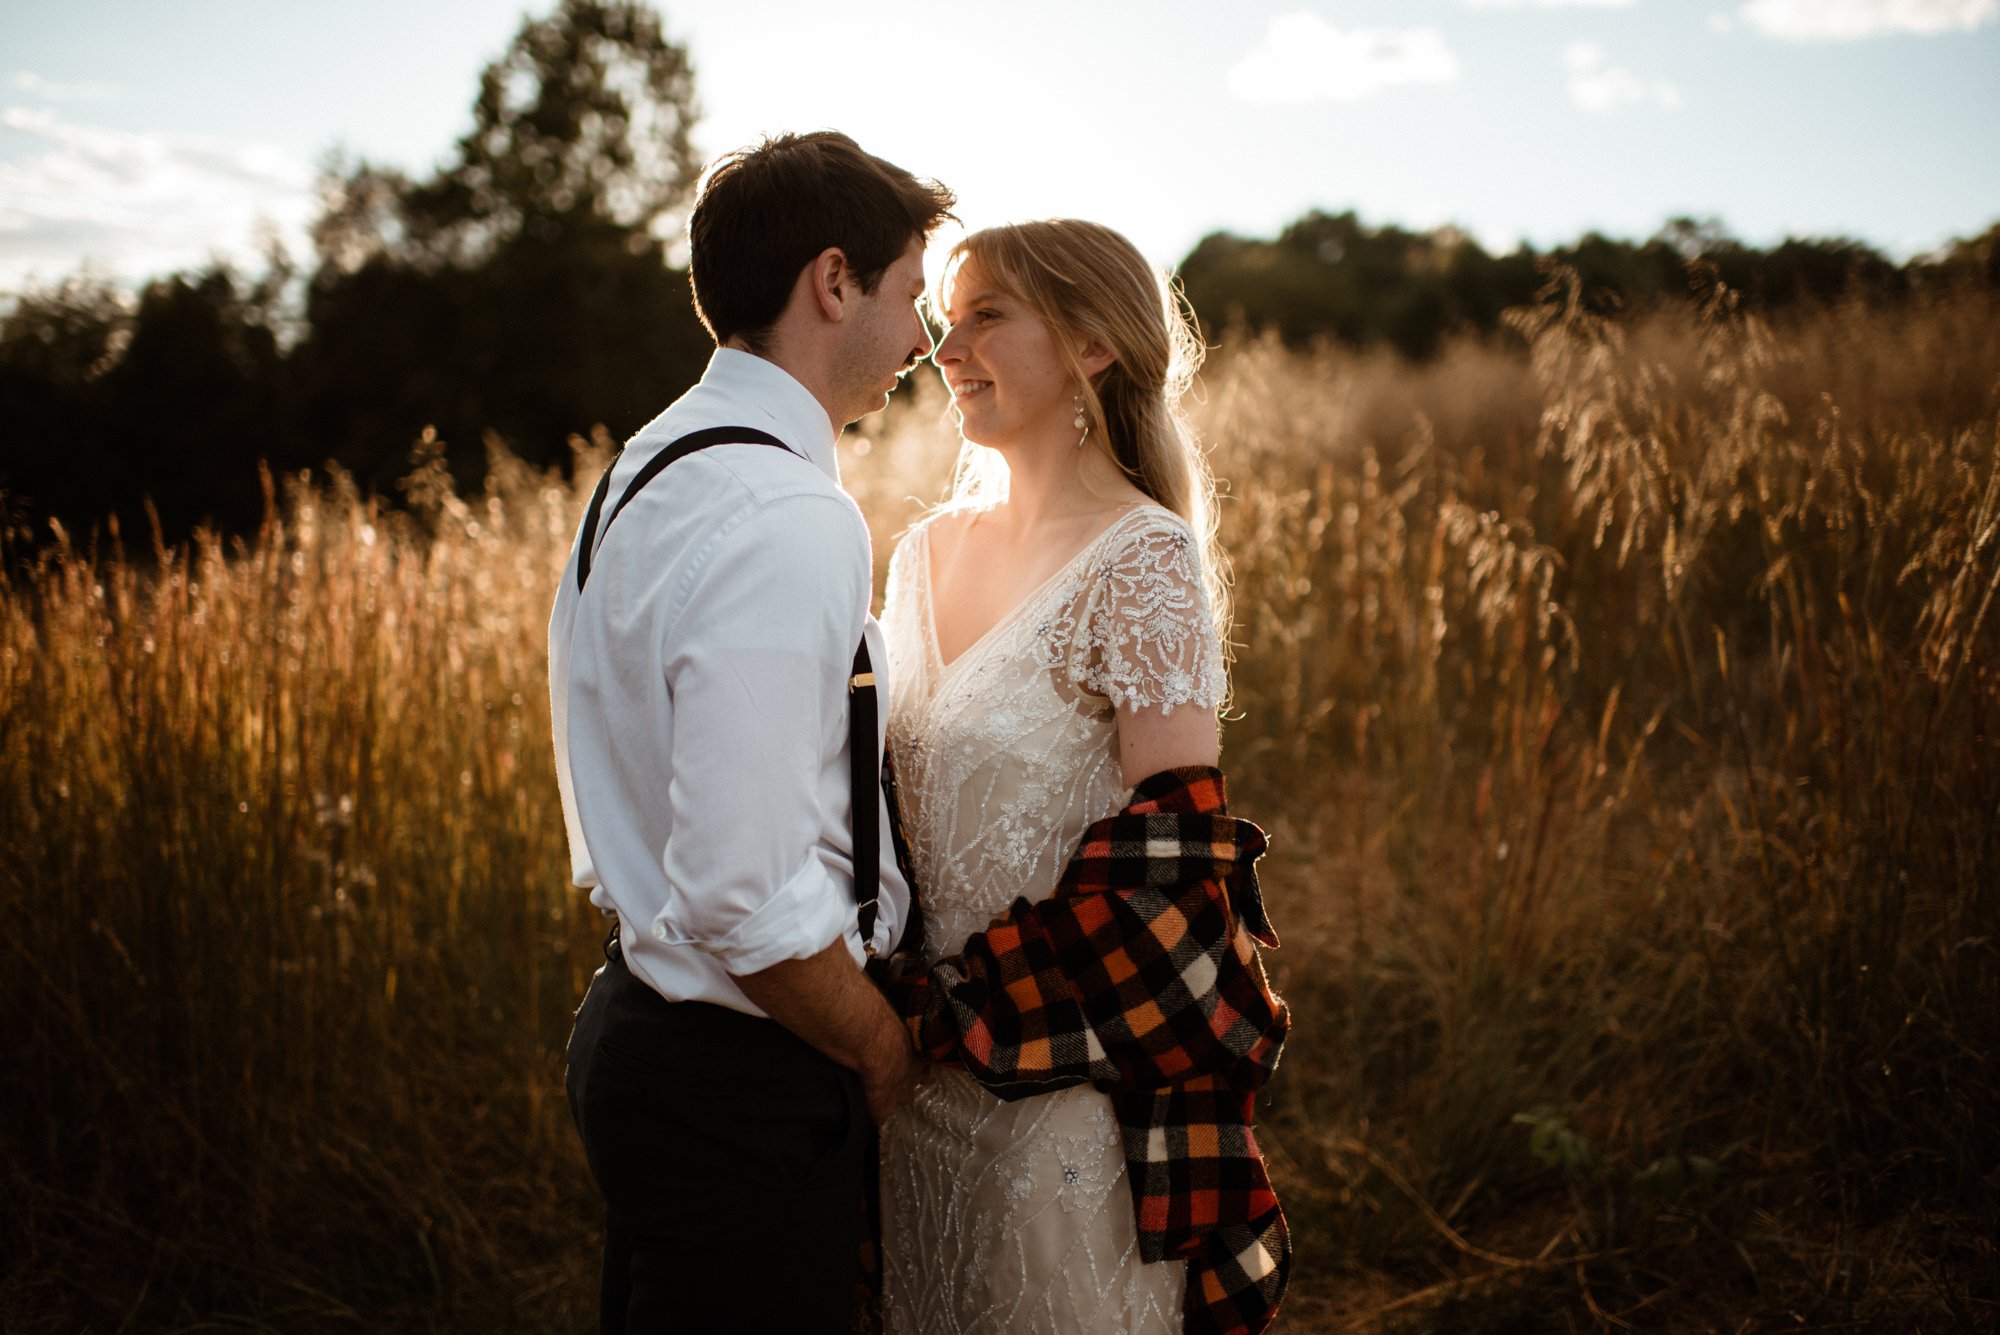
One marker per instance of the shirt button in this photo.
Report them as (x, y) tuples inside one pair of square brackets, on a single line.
[(659, 931)]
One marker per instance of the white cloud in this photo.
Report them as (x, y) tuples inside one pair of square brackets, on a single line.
[(30, 82), (137, 204), (1597, 85), (1847, 20), (1305, 59), (1547, 4)]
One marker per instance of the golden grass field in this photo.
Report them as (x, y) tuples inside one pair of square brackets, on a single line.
[(1623, 712)]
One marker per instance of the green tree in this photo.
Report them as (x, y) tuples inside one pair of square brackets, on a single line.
[(55, 347), (1332, 276), (585, 120), (197, 399), (524, 288), (106, 403)]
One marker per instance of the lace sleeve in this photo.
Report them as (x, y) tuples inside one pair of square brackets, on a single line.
[(1145, 634)]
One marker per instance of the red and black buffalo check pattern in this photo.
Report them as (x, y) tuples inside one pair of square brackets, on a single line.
[(1140, 976)]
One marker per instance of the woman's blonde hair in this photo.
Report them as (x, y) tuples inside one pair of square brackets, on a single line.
[(1088, 284)]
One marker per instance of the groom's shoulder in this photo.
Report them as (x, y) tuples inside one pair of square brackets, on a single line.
[(736, 503), (751, 471)]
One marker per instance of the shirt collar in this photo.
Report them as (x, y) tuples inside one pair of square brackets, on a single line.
[(756, 387)]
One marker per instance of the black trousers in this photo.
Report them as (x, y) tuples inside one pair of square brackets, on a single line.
[(730, 1154)]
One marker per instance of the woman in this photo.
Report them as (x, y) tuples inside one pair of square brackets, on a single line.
[(1055, 640)]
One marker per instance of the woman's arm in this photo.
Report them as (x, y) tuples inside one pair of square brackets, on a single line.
[(1151, 740)]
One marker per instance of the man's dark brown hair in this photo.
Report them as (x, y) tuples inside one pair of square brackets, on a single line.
[(766, 212)]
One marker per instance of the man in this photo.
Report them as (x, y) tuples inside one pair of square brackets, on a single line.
[(730, 1054)]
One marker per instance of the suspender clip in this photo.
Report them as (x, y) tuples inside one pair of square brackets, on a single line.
[(860, 680)]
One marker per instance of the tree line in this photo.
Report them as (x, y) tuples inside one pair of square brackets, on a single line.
[(1331, 276), (524, 291)]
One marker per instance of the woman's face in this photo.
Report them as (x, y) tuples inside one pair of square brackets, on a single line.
[(1006, 375)]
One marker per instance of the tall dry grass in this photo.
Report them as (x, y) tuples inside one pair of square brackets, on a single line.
[(289, 956), (1622, 713), (1642, 909)]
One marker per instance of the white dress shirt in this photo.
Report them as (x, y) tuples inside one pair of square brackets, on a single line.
[(698, 689)]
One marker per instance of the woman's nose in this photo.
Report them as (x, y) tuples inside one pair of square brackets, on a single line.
[(950, 348)]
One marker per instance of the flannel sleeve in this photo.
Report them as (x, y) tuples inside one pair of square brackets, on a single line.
[(1141, 976), (1134, 975)]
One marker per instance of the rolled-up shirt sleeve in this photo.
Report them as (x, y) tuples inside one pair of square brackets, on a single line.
[(757, 664)]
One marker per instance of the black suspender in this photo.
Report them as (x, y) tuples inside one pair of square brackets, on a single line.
[(865, 781), (676, 449), (865, 761)]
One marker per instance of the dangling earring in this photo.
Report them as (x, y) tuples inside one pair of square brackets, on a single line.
[(1081, 422)]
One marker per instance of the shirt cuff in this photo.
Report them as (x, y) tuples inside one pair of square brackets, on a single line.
[(808, 913)]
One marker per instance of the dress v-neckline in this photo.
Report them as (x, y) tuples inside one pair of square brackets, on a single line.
[(1026, 600)]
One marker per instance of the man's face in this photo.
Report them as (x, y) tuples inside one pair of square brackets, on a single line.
[(888, 337)]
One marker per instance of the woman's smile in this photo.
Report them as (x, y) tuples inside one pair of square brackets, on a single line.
[(1010, 383)]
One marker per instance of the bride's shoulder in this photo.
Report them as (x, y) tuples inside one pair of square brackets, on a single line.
[(1145, 557), (1148, 532), (1143, 633), (1149, 516)]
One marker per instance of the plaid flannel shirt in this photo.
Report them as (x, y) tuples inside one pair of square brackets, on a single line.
[(1140, 976)]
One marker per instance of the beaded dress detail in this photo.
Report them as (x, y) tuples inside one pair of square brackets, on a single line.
[(1016, 1217)]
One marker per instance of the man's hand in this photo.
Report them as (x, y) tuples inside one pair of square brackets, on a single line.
[(828, 1002)]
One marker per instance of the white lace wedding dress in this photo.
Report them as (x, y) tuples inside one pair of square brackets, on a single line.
[(1004, 1218)]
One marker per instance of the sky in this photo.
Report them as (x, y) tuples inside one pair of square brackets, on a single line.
[(140, 137)]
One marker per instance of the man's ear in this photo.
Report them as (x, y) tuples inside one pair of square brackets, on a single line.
[(832, 283)]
